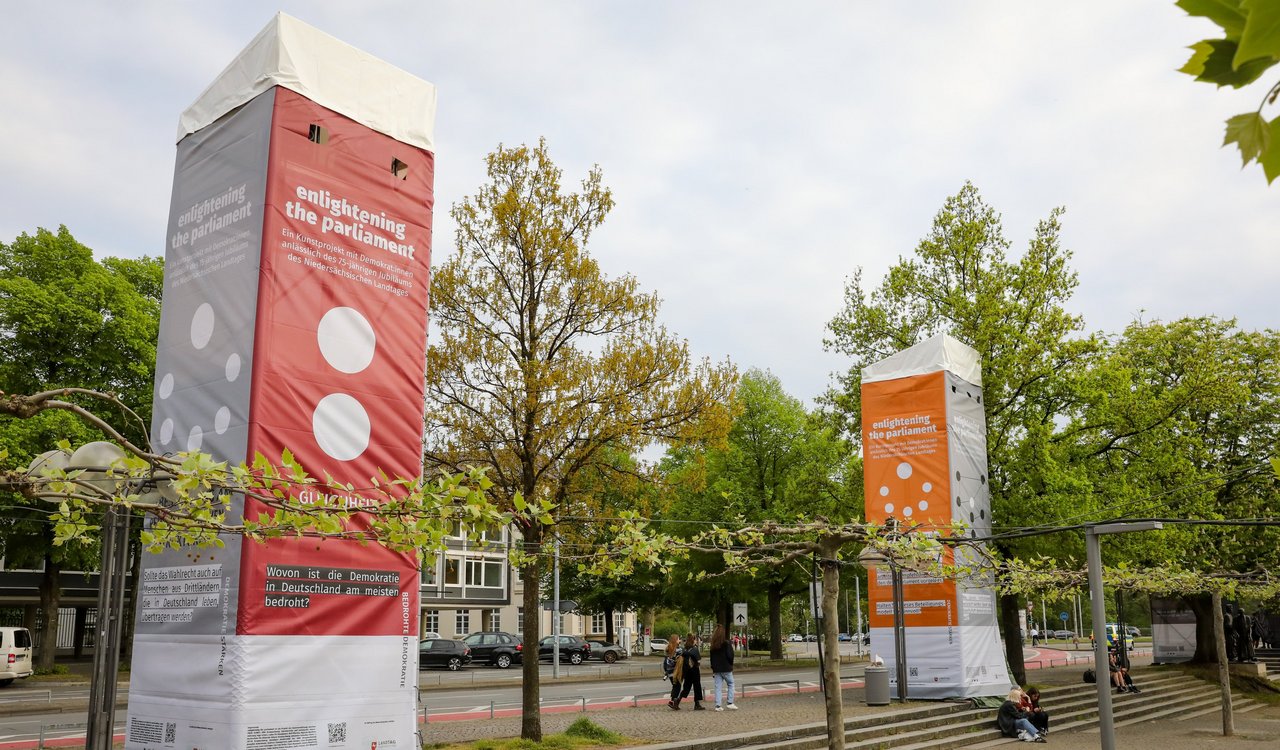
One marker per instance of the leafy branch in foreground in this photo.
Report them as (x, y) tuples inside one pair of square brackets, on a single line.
[(188, 496), (1250, 45)]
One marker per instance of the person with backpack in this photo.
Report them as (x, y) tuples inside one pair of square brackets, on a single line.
[(690, 678), (673, 669), (721, 654)]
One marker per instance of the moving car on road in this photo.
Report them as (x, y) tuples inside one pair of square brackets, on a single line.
[(494, 648), (443, 652), (608, 652), (573, 649)]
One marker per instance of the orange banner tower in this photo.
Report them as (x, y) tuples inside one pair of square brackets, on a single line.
[(925, 464)]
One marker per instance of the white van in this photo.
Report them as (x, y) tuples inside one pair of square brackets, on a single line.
[(15, 655)]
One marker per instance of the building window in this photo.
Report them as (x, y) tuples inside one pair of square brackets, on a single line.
[(561, 629), (619, 621), (495, 620), (431, 623), (484, 573), (451, 568), (597, 623), (520, 620), (462, 622), (430, 571)]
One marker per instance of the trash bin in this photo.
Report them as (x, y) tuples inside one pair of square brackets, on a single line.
[(876, 691)]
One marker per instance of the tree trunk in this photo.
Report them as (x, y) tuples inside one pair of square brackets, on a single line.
[(50, 595), (1224, 669), (530, 693), (1208, 621), (608, 625), (82, 620), (1012, 638), (831, 650), (775, 620)]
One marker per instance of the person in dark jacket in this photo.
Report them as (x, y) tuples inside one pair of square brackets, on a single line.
[(691, 679), (721, 655), (1014, 722), (1039, 718)]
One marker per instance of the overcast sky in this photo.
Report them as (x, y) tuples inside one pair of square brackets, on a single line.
[(759, 152)]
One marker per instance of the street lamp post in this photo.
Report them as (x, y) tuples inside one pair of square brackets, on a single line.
[(1093, 551), (872, 559)]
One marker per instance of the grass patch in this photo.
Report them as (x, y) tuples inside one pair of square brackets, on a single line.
[(583, 733), (55, 670)]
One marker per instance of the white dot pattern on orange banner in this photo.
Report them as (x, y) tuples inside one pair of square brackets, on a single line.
[(341, 426), (202, 325), (904, 471), (346, 339)]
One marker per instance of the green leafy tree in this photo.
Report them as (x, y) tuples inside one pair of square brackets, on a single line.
[(542, 366), (67, 319), (1178, 420), (1248, 48), (780, 462), (961, 281)]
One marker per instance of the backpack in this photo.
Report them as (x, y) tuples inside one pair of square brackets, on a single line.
[(668, 666), (1090, 676)]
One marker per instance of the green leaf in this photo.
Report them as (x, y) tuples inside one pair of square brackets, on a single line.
[(1270, 161), (1225, 13), (1275, 465), (1251, 133), (1261, 37), (1212, 62)]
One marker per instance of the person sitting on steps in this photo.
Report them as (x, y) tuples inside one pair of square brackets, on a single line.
[(1038, 717), (1014, 722)]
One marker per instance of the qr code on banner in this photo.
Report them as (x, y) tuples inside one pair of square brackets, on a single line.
[(170, 732), (338, 733)]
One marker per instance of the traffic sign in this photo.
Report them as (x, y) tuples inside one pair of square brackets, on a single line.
[(739, 614), (1064, 616)]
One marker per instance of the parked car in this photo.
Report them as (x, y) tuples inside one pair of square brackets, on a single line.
[(844, 638), (795, 638), (495, 648), (657, 645), (811, 638), (1064, 634), (1133, 630), (429, 635), (607, 652), (573, 649), (15, 655), (443, 652)]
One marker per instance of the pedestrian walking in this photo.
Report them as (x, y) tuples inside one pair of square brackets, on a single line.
[(673, 668), (721, 655), (691, 678)]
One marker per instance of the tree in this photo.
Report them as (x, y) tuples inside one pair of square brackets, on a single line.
[(1178, 420), (780, 462), (1250, 45), (541, 361), (1013, 312), (68, 319)]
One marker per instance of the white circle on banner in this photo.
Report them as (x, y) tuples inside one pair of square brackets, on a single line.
[(927, 487), (202, 326), (222, 420), (923, 505), (346, 340), (195, 438), (907, 511), (166, 431), (233, 367), (166, 385), (904, 470), (888, 507), (884, 491), (341, 426)]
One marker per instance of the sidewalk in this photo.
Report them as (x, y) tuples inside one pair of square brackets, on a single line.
[(649, 724)]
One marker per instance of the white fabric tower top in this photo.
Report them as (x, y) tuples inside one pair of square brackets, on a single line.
[(327, 71), (931, 355)]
